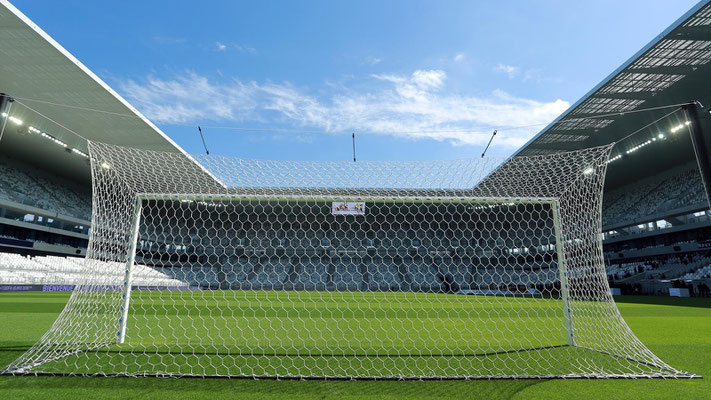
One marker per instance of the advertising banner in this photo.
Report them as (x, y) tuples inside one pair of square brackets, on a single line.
[(348, 208)]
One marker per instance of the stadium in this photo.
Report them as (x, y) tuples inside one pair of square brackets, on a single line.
[(577, 267)]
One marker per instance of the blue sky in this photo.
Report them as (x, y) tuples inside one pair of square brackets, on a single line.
[(397, 73)]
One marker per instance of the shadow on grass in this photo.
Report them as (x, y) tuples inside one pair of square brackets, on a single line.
[(46, 386), (9, 354), (121, 387), (702, 302)]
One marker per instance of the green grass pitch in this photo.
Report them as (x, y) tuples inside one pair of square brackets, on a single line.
[(677, 330)]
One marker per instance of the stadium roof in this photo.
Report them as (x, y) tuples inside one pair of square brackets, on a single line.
[(35, 66), (673, 68)]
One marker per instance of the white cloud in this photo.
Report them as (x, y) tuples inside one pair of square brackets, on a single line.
[(372, 60), (240, 48), (432, 79), (459, 57), (509, 70), (414, 106), (170, 100)]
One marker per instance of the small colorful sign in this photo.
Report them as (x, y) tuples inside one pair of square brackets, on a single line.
[(348, 208)]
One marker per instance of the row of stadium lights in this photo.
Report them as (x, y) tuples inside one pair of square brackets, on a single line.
[(654, 139), (660, 136), (45, 135), (587, 171)]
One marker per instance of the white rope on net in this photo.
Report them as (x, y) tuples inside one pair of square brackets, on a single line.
[(387, 270)]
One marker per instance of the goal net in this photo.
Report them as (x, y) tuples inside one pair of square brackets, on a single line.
[(448, 269)]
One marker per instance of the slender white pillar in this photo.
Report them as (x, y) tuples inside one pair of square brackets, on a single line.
[(126, 295), (563, 271)]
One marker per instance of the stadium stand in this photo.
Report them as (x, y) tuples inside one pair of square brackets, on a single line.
[(654, 196), (345, 274), (422, 276), (16, 269), (674, 189), (626, 270), (26, 185), (348, 277), (701, 273), (382, 276), (656, 276)]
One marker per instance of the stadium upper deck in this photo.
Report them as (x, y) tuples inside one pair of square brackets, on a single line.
[(672, 69), (651, 177), (40, 73)]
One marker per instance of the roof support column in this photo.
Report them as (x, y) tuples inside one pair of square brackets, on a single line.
[(5, 104), (700, 149)]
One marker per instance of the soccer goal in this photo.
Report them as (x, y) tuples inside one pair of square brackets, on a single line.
[(377, 270)]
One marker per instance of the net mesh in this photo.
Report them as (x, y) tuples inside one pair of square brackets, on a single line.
[(448, 269)]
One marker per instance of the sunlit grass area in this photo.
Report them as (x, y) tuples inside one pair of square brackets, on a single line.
[(677, 331)]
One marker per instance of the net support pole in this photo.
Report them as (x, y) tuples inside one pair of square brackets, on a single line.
[(126, 295), (563, 271)]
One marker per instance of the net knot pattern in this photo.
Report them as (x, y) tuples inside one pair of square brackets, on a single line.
[(472, 268)]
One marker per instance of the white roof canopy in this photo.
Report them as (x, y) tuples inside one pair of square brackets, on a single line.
[(35, 66)]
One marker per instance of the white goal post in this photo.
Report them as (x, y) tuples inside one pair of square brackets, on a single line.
[(551, 202), (458, 269)]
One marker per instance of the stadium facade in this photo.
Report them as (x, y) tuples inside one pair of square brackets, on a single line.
[(656, 225)]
